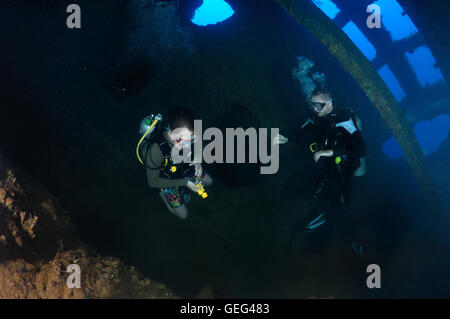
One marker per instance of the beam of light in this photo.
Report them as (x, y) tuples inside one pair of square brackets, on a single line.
[(212, 12)]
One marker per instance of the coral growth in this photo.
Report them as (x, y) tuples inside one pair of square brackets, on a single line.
[(101, 278), (38, 242)]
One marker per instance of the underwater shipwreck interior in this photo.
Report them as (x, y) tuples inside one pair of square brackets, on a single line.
[(73, 191)]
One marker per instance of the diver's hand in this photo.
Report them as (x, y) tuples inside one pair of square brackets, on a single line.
[(319, 154), (280, 139), (192, 186), (198, 169)]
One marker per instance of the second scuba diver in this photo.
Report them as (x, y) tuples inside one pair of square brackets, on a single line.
[(340, 155), (173, 178)]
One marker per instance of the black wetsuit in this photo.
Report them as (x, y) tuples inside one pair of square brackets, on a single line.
[(339, 131)]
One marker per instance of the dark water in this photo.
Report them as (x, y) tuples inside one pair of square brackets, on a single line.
[(72, 101)]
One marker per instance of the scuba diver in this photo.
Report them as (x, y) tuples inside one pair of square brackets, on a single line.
[(340, 155), (163, 171)]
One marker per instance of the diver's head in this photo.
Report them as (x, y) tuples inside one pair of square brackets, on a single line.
[(321, 102), (181, 126)]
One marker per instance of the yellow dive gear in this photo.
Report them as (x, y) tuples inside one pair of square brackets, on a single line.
[(202, 191)]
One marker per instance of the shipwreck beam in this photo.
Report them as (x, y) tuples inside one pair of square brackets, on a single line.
[(355, 63)]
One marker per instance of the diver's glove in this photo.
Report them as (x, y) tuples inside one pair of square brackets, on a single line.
[(197, 188), (198, 170), (193, 187), (280, 139), (326, 153)]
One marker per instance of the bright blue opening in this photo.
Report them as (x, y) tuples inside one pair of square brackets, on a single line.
[(212, 12), (430, 134), (400, 26), (392, 82), (422, 62), (360, 40), (327, 7)]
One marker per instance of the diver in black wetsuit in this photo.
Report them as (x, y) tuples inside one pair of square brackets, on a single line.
[(340, 150), (340, 155)]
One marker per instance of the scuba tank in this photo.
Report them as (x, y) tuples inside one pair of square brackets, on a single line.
[(147, 121), (146, 127)]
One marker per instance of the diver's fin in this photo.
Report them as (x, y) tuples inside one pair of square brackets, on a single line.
[(316, 219), (316, 225), (316, 222)]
